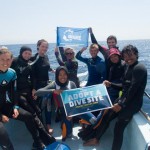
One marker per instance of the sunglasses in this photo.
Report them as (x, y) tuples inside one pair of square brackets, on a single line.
[(69, 53)]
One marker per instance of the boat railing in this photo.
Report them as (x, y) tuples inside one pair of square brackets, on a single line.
[(144, 113)]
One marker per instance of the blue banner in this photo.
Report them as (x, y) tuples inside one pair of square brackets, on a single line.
[(67, 36), (86, 99)]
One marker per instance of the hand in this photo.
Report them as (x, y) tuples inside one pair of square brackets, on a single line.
[(15, 114), (83, 49), (33, 94), (116, 107), (56, 49), (107, 83), (58, 92), (69, 118), (5, 118)]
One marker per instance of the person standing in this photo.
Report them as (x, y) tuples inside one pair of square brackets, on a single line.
[(41, 67), (111, 42), (95, 64)]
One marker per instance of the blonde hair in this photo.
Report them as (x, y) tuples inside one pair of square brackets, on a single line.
[(69, 48), (4, 50), (94, 46)]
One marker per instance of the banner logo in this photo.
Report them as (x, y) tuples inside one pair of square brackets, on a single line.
[(72, 37)]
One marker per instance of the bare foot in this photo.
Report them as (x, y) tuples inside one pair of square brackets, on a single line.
[(91, 142)]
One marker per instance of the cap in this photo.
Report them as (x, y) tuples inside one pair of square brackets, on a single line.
[(113, 51)]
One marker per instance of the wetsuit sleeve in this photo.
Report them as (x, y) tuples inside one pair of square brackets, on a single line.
[(62, 53), (50, 69), (73, 85), (61, 63), (79, 57), (102, 49), (33, 75), (12, 93), (138, 77), (116, 86), (46, 90)]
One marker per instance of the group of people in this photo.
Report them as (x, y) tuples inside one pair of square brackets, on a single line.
[(26, 81)]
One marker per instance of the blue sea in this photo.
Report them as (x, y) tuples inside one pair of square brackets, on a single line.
[(144, 57)]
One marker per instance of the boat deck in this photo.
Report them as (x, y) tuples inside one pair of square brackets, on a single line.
[(22, 140)]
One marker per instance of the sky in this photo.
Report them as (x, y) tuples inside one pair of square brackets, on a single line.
[(27, 21)]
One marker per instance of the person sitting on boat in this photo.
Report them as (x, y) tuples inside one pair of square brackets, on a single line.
[(61, 83), (111, 42), (70, 63), (41, 67), (96, 65), (9, 107), (24, 88), (116, 71), (130, 102)]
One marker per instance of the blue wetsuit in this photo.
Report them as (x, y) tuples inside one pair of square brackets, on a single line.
[(96, 69)]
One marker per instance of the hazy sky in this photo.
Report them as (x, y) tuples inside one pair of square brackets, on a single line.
[(27, 21)]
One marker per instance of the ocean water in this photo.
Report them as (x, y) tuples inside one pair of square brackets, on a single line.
[(144, 57)]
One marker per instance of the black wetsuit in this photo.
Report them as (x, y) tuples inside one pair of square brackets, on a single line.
[(134, 82), (25, 85), (24, 94), (7, 105), (115, 75), (40, 68)]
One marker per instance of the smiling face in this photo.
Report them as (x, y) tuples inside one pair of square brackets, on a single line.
[(130, 58), (114, 58), (26, 55), (69, 53), (42, 48), (111, 43), (62, 77), (94, 50), (5, 61)]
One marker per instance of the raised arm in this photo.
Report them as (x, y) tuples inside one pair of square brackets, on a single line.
[(79, 57), (102, 49), (61, 63)]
